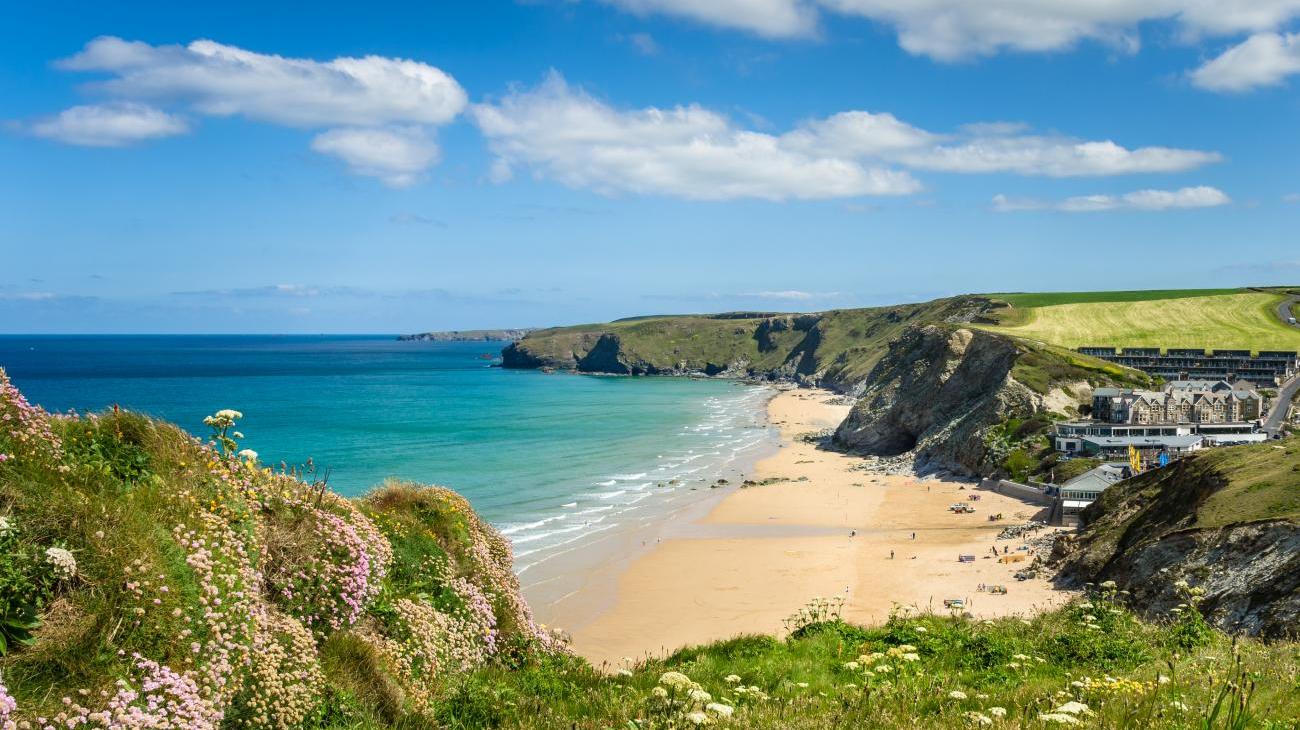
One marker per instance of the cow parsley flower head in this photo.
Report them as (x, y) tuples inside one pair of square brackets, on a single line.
[(720, 709), (65, 565), (247, 455), (675, 680)]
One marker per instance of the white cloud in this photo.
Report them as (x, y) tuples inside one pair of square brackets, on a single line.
[(28, 296), (644, 43), (685, 151), (377, 112), (691, 152), (1264, 59), (109, 125), (222, 80), (791, 295), (1291, 198), (948, 30), (1146, 200), (1052, 157), (986, 147), (769, 18), (398, 156)]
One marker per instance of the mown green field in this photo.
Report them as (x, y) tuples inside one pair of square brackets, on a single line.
[(1026, 300), (1215, 319)]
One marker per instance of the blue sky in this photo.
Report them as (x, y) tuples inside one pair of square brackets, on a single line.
[(388, 169)]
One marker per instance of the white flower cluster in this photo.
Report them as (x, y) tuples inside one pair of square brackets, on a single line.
[(65, 566)]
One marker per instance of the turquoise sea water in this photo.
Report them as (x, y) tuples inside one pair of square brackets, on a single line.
[(549, 459)]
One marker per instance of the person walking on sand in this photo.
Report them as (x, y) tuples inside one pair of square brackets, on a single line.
[(891, 554)]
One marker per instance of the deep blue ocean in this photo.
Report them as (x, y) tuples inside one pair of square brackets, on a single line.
[(548, 458)]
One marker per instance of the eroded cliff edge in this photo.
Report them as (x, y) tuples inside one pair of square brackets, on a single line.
[(1225, 520)]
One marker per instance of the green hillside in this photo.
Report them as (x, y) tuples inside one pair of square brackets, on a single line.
[(838, 346), (1209, 319)]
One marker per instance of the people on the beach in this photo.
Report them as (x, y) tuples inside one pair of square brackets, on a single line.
[(891, 554)]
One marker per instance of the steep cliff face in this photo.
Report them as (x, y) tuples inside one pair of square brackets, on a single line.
[(1227, 520), (834, 349), (933, 395)]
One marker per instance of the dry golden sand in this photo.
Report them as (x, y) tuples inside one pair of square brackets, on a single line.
[(765, 551)]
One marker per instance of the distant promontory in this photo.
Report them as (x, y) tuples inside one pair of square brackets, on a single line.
[(468, 336)]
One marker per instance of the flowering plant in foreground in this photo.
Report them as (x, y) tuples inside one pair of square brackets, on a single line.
[(26, 431), (678, 701)]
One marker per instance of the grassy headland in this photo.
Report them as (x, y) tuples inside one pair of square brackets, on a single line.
[(834, 347)]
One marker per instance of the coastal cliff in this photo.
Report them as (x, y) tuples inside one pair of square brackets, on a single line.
[(1226, 520), (834, 349), (503, 335), (945, 396), (933, 394)]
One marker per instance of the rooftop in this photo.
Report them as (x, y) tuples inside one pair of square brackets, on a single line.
[(1176, 442), (1097, 479)]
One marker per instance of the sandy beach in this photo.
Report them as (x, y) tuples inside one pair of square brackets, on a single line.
[(750, 559)]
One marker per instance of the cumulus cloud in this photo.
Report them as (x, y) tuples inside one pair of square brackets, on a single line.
[(222, 80), (397, 156), (790, 295), (109, 125), (560, 132), (1264, 59), (685, 151), (1147, 200), (769, 18), (987, 147), (949, 30), (377, 113)]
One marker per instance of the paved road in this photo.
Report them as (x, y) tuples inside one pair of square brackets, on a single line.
[(1282, 404), (1284, 310)]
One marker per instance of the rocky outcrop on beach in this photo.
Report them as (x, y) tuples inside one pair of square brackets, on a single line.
[(505, 335), (1223, 521), (933, 395)]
